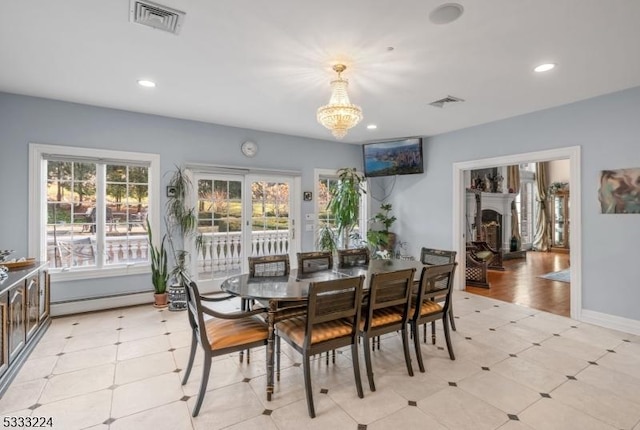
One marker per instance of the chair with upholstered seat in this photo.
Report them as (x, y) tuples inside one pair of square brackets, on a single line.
[(222, 334), (353, 257), (315, 261), (432, 257), (432, 303), (333, 311), (387, 311)]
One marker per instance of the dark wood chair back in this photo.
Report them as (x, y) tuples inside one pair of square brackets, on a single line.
[(269, 265), (436, 256), (353, 257), (314, 261)]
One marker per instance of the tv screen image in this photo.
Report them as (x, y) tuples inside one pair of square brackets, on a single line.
[(393, 157)]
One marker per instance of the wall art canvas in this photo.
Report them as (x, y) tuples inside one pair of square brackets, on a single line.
[(620, 191)]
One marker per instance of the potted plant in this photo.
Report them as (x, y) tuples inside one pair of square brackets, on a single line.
[(379, 236), (159, 269), (344, 206)]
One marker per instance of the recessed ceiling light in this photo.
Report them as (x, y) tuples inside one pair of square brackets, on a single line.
[(372, 126), (446, 13), (145, 83), (544, 67)]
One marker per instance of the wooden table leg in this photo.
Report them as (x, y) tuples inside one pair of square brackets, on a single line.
[(271, 317)]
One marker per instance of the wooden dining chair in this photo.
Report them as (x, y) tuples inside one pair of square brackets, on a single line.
[(432, 303), (269, 265), (315, 261), (432, 257), (333, 311), (222, 334), (387, 311), (353, 257)]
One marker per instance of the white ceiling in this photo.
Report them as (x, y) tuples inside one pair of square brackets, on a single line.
[(266, 65)]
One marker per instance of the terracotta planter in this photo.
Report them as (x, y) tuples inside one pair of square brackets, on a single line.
[(161, 300)]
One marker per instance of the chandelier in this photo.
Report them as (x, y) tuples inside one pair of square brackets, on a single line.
[(339, 115)]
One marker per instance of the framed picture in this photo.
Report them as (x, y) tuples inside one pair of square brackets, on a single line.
[(171, 191), (620, 191), (307, 196)]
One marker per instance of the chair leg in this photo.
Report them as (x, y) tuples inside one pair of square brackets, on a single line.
[(416, 343), (451, 319), (333, 356), (424, 334), (356, 368), (307, 386), (206, 368), (405, 346), (445, 324), (367, 361), (277, 357), (192, 354), (433, 332)]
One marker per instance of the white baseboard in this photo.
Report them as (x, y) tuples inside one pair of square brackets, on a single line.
[(103, 303), (610, 321)]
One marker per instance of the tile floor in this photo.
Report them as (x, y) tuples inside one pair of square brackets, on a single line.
[(516, 369)]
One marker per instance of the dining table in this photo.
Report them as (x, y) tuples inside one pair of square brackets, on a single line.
[(286, 296)]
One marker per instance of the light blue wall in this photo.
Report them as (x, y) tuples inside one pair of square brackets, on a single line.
[(607, 129), (28, 119)]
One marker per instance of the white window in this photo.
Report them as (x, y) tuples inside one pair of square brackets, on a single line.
[(89, 210)]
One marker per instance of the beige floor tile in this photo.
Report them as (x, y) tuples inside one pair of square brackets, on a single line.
[(128, 334), (78, 412), (550, 414), (21, 395), (546, 324), (508, 311), (174, 416), (76, 383), (605, 406), (142, 347), (478, 352), (144, 367), (499, 391), (374, 405), (223, 373), (514, 425), (554, 360), (456, 409), (180, 338), (477, 322), (452, 371), (421, 386), (409, 417), (328, 415), (524, 332), (36, 368), (530, 374), (502, 341), (574, 348), (85, 358), (148, 393), (262, 422), (48, 347), (90, 325), (597, 336), (610, 380), (91, 340), (227, 406), (289, 389), (622, 361)]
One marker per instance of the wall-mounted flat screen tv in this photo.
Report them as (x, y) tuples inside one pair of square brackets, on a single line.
[(393, 157)]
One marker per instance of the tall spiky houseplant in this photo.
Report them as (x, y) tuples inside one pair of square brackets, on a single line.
[(181, 223), (345, 202), (159, 268)]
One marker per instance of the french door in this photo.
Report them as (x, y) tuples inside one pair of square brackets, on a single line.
[(241, 216)]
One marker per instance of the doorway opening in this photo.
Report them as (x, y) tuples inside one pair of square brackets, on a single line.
[(461, 235)]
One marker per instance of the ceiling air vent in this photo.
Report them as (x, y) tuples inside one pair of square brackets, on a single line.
[(448, 99), (156, 16)]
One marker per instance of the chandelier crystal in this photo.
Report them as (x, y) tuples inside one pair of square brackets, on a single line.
[(339, 115)]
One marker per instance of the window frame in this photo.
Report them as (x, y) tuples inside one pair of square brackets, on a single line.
[(37, 209)]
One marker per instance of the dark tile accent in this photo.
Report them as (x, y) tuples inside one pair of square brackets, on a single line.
[(118, 343), (267, 412), (297, 364), (68, 337), (323, 391), (453, 384), (496, 306), (34, 406), (171, 349), (611, 350), (75, 323), (246, 380), (362, 427), (108, 421), (512, 322), (185, 398), (167, 333), (466, 298), (485, 368), (440, 348), (468, 338), (512, 355), (177, 370), (626, 340), (513, 417), (456, 317), (556, 334), (119, 328), (413, 403), (163, 321), (477, 311), (592, 363), (536, 344), (60, 354), (573, 378), (121, 316), (492, 329), (113, 387), (574, 326), (546, 395)]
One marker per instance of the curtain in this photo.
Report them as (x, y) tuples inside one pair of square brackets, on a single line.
[(513, 185), (541, 238)]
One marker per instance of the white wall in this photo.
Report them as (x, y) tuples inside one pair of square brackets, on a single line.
[(606, 128)]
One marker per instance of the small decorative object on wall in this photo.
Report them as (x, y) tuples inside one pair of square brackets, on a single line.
[(558, 186), (307, 196), (171, 191), (620, 191)]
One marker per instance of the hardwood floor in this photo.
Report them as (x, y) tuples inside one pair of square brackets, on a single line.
[(519, 283)]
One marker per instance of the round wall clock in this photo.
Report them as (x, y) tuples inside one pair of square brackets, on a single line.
[(249, 148)]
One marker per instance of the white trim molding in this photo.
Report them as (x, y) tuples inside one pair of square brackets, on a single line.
[(611, 321), (575, 239)]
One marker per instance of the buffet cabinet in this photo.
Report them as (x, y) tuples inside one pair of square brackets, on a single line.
[(24, 317), (560, 221)]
